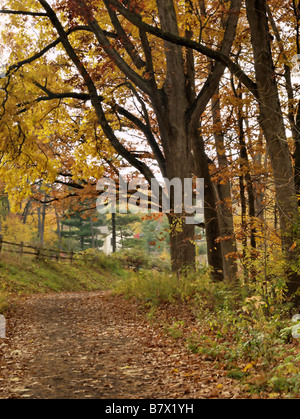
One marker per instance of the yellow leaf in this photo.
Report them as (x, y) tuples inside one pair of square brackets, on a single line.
[(274, 395), (248, 367)]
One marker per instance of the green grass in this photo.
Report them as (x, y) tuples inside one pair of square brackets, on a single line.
[(239, 328), (90, 271), (250, 335), (29, 276), (154, 288)]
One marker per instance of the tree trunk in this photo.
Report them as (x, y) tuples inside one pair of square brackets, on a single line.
[(92, 231), (26, 211), (182, 235), (297, 153), (175, 140), (184, 148), (228, 244), (114, 232), (272, 124), (59, 229), (245, 168), (41, 223), (181, 243), (212, 228)]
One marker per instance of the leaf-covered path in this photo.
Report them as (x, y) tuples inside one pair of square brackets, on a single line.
[(95, 345)]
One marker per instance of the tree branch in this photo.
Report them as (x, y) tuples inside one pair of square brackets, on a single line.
[(16, 66), (107, 129), (22, 12), (128, 45), (114, 56), (178, 40), (149, 136), (66, 95), (217, 71)]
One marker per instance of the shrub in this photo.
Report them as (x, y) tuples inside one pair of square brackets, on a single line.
[(3, 302), (155, 287), (99, 259)]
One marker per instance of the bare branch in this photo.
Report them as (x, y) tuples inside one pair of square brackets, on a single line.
[(217, 71), (107, 129), (128, 45), (41, 53), (185, 42), (64, 95), (22, 12)]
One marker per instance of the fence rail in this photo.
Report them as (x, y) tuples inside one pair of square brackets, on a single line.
[(37, 251)]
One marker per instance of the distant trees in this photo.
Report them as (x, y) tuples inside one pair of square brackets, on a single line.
[(167, 88), (115, 61), (82, 232)]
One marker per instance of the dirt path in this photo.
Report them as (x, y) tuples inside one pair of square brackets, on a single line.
[(94, 345)]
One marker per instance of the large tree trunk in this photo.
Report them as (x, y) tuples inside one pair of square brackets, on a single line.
[(175, 140), (181, 243), (182, 235), (212, 228), (184, 148), (228, 243), (297, 153), (273, 127)]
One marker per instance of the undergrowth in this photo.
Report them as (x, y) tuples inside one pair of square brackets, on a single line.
[(247, 331), (28, 275)]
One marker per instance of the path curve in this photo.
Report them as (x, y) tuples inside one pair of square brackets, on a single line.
[(95, 345)]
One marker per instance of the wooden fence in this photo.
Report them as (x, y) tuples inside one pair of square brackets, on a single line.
[(37, 251)]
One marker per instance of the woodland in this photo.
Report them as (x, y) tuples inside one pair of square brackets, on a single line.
[(163, 89)]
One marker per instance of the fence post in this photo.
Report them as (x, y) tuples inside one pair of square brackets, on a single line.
[(22, 249), (1, 242), (38, 251)]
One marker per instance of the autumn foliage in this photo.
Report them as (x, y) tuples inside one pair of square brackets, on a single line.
[(161, 89)]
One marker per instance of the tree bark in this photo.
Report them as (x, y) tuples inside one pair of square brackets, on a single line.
[(227, 237), (41, 223), (59, 229), (177, 119), (114, 232), (174, 136), (184, 147), (272, 123), (212, 228)]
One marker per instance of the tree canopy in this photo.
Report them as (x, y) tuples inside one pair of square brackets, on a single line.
[(165, 88)]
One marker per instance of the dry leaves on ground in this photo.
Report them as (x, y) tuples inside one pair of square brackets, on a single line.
[(96, 345)]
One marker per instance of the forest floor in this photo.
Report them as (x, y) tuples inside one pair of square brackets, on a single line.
[(100, 346)]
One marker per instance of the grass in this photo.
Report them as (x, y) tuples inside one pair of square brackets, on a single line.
[(3, 302), (154, 288), (242, 330), (246, 333), (30, 276), (90, 271)]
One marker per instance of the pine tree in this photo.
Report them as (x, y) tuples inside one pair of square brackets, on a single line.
[(83, 230)]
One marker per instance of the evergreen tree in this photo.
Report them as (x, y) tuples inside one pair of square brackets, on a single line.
[(83, 230), (124, 229)]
